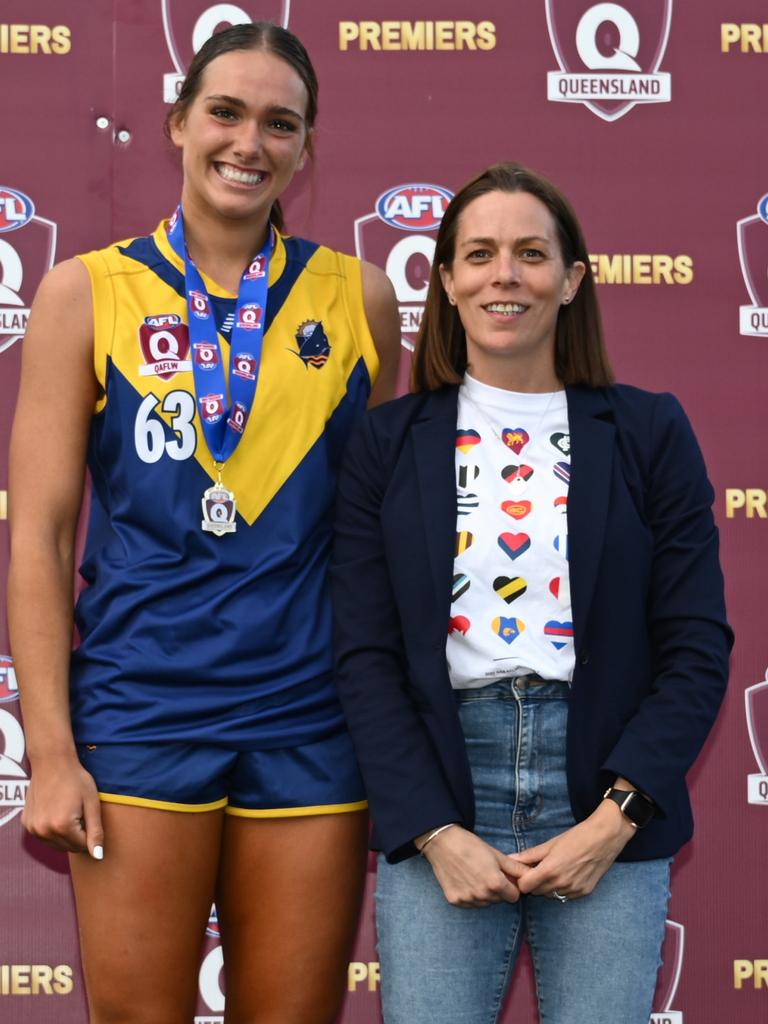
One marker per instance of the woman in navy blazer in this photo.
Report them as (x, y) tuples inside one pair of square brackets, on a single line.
[(512, 305)]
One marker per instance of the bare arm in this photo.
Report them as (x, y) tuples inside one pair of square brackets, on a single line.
[(384, 321), (47, 463)]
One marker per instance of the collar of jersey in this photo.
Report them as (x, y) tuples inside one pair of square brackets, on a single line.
[(276, 263)]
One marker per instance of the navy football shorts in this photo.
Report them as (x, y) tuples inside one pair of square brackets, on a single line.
[(318, 778)]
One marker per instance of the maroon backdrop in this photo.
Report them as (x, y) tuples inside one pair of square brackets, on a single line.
[(649, 114)]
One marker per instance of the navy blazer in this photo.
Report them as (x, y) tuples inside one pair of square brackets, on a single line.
[(650, 634)]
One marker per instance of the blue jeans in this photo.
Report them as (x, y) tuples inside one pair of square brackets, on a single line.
[(595, 959)]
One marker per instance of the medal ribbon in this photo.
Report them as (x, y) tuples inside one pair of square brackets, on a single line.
[(223, 423)]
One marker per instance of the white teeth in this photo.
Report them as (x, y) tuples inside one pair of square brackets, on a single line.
[(242, 177), (505, 307)]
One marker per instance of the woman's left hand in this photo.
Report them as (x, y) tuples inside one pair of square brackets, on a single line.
[(573, 863)]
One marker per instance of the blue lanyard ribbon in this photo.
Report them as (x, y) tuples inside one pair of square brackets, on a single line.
[(223, 419)]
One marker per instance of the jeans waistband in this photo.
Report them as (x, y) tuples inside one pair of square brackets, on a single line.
[(529, 685)]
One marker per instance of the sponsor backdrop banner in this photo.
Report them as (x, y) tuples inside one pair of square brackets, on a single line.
[(649, 114)]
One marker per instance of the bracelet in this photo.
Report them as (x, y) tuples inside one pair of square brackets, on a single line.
[(433, 833)]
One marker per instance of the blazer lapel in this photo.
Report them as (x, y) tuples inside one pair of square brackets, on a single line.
[(433, 438), (592, 448)]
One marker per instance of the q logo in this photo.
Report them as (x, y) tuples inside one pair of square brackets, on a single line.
[(210, 1003), (609, 54), (190, 23), (400, 236), (27, 248)]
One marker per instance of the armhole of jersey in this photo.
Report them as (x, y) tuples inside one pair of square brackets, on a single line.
[(352, 275), (103, 300)]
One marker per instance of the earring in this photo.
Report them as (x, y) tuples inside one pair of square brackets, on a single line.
[(452, 300)]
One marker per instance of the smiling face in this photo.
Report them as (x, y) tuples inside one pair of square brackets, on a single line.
[(243, 136), (508, 281)]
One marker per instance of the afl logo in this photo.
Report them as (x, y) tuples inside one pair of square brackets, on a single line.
[(413, 207), (16, 209), (752, 237), (198, 303), (399, 235), (238, 418), (9, 689), (206, 356), (249, 316), (244, 366), (27, 247), (212, 408)]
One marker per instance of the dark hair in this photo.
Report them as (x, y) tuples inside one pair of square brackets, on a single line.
[(257, 35), (441, 348)]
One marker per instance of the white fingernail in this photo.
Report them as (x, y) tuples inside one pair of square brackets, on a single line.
[(98, 853)]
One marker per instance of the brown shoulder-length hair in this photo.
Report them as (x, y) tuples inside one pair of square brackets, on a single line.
[(257, 35), (441, 349)]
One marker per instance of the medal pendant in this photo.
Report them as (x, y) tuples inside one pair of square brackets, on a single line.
[(219, 511)]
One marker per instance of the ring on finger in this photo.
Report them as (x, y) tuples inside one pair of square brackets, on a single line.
[(557, 896)]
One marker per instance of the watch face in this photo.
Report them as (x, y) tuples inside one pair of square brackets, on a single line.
[(638, 809)]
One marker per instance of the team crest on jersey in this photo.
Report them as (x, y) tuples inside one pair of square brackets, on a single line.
[(669, 975), (14, 778), (399, 236), (189, 23), (27, 250), (212, 408), (244, 366), (752, 235), (206, 355), (313, 345), (164, 344), (238, 417), (756, 708), (609, 54)]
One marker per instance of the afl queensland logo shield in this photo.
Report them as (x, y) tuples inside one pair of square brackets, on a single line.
[(609, 54), (27, 250), (399, 236), (14, 779), (752, 237), (669, 975), (756, 709), (189, 23)]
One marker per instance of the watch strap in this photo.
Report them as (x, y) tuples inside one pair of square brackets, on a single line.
[(638, 809)]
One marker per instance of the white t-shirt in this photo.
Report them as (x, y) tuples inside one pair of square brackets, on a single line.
[(511, 607)]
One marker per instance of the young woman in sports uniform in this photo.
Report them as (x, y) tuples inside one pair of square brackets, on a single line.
[(192, 748)]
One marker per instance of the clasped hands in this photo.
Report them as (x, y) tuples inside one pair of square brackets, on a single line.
[(473, 873)]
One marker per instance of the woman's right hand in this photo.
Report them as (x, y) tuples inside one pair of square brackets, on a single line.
[(470, 872), (63, 808)]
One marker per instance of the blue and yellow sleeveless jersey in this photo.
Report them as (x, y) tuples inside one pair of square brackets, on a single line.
[(186, 635)]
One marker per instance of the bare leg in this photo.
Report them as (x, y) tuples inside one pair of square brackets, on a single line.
[(142, 913), (288, 899)]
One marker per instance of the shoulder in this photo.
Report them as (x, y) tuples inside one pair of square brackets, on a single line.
[(378, 290), (383, 431), (66, 285), (648, 412)]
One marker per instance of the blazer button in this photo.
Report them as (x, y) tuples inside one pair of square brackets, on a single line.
[(584, 658)]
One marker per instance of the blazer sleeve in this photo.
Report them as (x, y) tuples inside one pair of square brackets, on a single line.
[(407, 790), (689, 636)]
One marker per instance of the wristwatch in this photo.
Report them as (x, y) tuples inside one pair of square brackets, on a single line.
[(633, 805)]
